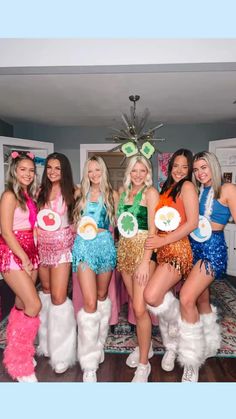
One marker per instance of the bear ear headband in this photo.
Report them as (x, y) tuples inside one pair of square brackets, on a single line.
[(134, 139), (16, 154)]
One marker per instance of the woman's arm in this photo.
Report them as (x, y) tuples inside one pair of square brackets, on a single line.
[(229, 193), (142, 272), (7, 208), (191, 206)]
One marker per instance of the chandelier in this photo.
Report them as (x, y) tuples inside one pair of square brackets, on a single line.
[(134, 138)]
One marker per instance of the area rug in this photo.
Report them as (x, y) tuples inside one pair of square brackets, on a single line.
[(122, 337)]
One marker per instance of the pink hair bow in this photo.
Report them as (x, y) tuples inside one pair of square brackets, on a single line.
[(30, 155), (14, 154)]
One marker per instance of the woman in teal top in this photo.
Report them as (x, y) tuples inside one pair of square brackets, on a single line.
[(136, 210), (94, 258)]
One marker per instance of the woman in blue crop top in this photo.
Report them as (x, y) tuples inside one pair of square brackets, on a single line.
[(94, 258), (199, 331), (137, 207)]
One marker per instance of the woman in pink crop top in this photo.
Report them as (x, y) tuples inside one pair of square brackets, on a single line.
[(199, 334), (18, 265), (57, 332)]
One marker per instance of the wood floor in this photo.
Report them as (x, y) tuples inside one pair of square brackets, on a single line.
[(114, 369)]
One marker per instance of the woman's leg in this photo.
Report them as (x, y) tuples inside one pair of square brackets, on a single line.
[(88, 319), (61, 321), (45, 297), (22, 326), (104, 307), (211, 327), (163, 304), (192, 345)]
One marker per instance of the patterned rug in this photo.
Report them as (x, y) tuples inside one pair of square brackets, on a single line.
[(122, 337)]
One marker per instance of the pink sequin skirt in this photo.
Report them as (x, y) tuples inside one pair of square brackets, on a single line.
[(9, 261), (55, 246)]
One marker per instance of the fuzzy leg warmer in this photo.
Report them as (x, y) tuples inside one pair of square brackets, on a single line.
[(168, 311), (191, 350), (62, 334), (42, 348), (20, 335), (89, 344), (169, 343), (212, 332)]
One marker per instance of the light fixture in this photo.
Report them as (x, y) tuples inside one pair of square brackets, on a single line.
[(135, 138)]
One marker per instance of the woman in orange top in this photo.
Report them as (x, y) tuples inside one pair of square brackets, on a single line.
[(176, 218)]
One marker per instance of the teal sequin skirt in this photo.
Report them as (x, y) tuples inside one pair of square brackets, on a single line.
[(98, 254)]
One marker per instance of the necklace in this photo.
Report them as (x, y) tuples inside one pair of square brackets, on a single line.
[(209, 201), (136, 203)]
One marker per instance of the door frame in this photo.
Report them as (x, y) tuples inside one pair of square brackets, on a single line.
[(85, 149)]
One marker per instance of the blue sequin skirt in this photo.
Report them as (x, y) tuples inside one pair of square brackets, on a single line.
[(213, 253), (98, 254)]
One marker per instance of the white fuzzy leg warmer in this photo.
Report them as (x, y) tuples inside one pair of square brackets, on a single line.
[(104, 308), (169, 343), (42, 348), (89, 345), (62, 334), (212, 332), (168, 310), (191, 351)]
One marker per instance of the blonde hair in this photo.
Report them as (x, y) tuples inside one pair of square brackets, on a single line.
[(127, 178), (214, 165), (105, 187), (13, 184)]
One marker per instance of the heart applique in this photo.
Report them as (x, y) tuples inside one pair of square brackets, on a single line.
[(49, 219)]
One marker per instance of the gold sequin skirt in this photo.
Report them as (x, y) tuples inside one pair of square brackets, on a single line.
[(177, 254), (130, 252)]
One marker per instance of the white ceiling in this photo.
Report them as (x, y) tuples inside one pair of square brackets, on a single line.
[(97, 95)]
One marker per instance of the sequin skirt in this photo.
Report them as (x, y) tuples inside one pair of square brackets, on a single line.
[(177, 254), (55, 246), (213, 253), (130, 252), (9, 261), (98, 254)]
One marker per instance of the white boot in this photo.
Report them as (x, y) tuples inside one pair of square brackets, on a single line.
[(168, 311), (42, 348), (212, 332), (89, 345), (170, 344), (191, 350), (104, 308), (62, 336)]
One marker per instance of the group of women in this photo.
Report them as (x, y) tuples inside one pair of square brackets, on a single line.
[(45, 230)]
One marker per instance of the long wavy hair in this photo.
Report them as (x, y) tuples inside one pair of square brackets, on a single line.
[(127, 178), (105, 188), (170, 181), (66, 183), (214, 165), (13, 184)]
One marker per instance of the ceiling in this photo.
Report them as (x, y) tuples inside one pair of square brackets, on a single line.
[(184, 94)]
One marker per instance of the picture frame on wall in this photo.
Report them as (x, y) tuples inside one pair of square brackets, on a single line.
[(162, 168), (228, 177)]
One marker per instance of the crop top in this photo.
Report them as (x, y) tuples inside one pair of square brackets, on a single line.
[(220, 213), (142, 216), (98, 214), (178, 204), (21, 219), (61, 209)]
